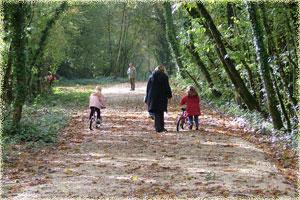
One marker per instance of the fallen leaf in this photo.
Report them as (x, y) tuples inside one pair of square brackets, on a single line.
[(68, 171), (134, 178), (230, 170)]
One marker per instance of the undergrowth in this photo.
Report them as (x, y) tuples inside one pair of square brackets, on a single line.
[(227, 106), (100, 80), (48, 113)]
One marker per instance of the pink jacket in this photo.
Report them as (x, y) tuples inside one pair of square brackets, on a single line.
[(97, 100)]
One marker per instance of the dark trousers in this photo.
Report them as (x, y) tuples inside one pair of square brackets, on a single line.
[(196, 119), (132, 83), (93, 110), (159, 121)]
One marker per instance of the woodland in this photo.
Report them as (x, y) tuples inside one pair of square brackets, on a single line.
[(242, 56)]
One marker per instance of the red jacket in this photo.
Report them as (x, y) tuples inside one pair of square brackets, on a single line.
[(192, 105)]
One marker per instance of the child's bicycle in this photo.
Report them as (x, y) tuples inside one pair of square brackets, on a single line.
[(95, 122), (182, 121)]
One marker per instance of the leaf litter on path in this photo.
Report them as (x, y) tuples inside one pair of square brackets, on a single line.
[(126, 158)]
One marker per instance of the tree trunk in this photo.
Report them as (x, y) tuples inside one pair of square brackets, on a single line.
[(250, 78), (125, 46), (228, 64), (7, 79), (45, 33), (272, 50), (196, 57), (171, 35), (18, 46), (7, 94), (117, 63), (291, 30), (42, 44), (241, 46), (109, 29), (164, 50), (193, 79), (230, 17), (281, 103), (211, 60), (264, 67), (293, 11)]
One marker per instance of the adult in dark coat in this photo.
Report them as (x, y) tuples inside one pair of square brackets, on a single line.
[(151, 115), (157, 95)]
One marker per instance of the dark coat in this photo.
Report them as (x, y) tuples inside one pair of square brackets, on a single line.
[(158, 92)]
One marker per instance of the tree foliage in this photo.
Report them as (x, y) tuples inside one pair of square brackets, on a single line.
[(247, 54)]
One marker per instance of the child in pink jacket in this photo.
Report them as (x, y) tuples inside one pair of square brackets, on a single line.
[(97, 102)]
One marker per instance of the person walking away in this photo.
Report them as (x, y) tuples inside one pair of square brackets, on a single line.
[(131, 72), (97, 102), (151, 114), (192, 102), (157, 95)]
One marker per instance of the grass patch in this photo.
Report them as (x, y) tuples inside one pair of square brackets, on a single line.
[(48, 113)]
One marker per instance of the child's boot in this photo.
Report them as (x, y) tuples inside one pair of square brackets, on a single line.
[(197, 123), (190, 126)]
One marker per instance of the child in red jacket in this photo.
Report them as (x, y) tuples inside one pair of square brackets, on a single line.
[(192, 102)]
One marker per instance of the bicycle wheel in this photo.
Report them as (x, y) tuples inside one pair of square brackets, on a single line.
[(180, 124), (92, 120), (91, 123), (98, 122)]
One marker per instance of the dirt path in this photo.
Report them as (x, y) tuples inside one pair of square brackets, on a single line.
[(126, 158)]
